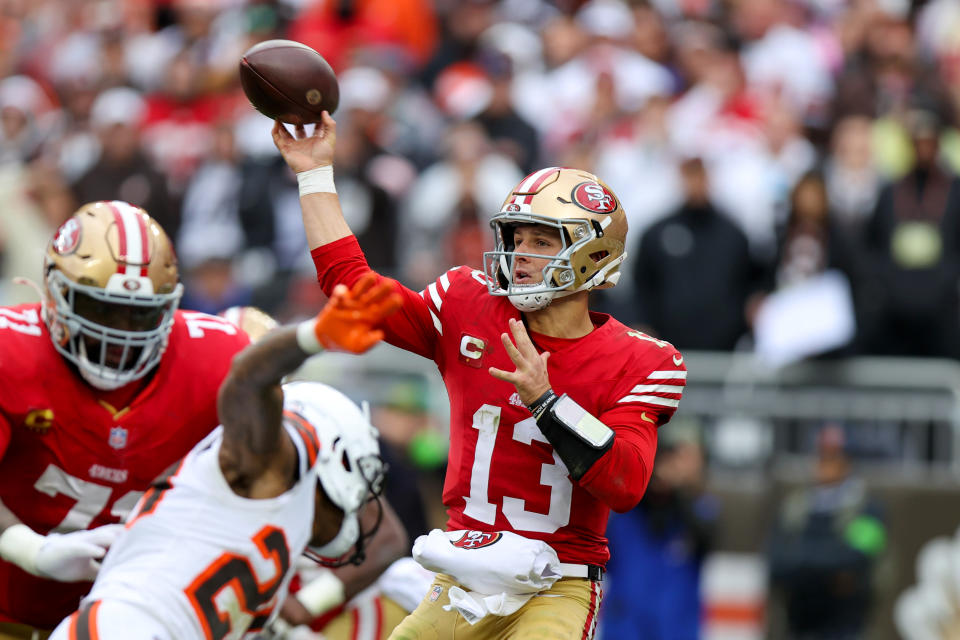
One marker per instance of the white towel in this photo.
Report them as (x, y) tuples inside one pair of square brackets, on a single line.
[(500, 570), (473, 606)]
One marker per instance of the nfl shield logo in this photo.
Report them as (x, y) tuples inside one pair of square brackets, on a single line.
[(118, 437), (435, 592)]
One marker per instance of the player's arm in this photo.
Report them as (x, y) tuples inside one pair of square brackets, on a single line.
[(311, 158), (333, 247), (336, 586), (257, 459)]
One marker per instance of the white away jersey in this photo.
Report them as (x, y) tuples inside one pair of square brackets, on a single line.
[(205, 562)]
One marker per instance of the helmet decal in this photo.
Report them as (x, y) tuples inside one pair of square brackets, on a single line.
[(68, 237), (594, 197)]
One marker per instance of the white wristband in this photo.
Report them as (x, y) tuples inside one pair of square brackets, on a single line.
[(322, 594), (20, 545), (319, 180), (307, 336)]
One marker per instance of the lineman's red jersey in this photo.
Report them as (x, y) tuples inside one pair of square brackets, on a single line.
[(502, 475), (69, 461)]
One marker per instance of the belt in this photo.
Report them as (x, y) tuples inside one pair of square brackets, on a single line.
[(592, 572)]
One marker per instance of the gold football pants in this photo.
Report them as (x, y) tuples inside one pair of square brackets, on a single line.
[(567, 611)]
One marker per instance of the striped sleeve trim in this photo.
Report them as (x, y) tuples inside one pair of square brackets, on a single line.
[(434, 296), (663, 402), (663, 389), (667, 375)]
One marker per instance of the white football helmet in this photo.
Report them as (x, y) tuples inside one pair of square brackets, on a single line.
[(111, 292), (593, 228), (349, 467)]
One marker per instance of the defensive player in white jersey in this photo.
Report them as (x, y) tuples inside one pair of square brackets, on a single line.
[(207, 550)]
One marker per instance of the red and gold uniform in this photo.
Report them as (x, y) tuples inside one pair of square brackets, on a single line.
[(503, 473), (71, 460)]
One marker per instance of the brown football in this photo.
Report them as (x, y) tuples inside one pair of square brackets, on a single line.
[(289, 81)]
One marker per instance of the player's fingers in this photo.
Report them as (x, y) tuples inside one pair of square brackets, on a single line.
[(515, 355), (377, 294), (500, 374), (106, 535), (300, 131), (524, 344), (280, 131), (329, 124), (361, 286), (339, 296), (370, 338), (88, 550)]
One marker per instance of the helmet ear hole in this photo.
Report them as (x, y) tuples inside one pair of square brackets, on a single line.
[(597, 256)]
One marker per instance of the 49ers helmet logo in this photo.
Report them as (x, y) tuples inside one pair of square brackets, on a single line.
[(67, 238), (477, 539), (594, 197)]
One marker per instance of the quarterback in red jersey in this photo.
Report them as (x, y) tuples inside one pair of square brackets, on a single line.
[(106, 384), (554, 409)]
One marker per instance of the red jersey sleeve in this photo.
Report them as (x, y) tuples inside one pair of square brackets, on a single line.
[(416, 327), (639, 405)]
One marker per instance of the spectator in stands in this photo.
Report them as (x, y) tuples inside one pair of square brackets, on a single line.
[(123, 170), (850, 172), (811, 242), (658, 549), (824, 549), (511, 134), (914, 240), (695, 264)]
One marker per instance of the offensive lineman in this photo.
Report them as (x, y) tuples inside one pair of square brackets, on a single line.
[(209, 548), (106, 383), (554, 409)]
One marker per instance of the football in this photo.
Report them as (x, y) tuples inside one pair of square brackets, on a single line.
[(288, 81)]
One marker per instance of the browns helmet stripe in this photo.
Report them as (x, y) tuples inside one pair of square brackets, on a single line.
[(309, 435)]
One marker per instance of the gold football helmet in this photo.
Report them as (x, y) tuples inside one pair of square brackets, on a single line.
[(254, 322), (111, 292), (593, 228)]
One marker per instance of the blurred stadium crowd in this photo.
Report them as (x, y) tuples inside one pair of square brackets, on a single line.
[(754, 144), (758, 146)]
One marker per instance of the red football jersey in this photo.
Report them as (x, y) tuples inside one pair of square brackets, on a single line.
[(74, 462), (502, 474)]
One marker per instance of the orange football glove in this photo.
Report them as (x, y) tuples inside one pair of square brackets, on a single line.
[(348, 321)]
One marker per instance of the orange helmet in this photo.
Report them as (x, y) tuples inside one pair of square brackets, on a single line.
[(593, 228), (111, 292)]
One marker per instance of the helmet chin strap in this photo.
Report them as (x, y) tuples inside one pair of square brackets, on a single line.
[(342, 542)]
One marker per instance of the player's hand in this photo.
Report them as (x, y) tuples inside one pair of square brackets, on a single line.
[(303, 152), (530, 377), (75, 556), (350, 319)]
